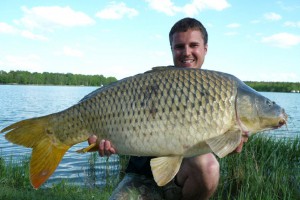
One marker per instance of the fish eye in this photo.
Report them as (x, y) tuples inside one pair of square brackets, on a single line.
[(270, 103)]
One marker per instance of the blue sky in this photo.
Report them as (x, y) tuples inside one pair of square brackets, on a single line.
[(252, 39)]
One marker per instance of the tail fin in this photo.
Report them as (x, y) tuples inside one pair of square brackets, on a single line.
[(47, 149)]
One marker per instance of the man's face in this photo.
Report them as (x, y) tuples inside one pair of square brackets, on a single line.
[(188, 49)]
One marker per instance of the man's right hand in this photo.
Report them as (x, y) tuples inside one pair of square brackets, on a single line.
[(105, 148)]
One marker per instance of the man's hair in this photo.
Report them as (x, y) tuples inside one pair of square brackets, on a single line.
[(185, 24)]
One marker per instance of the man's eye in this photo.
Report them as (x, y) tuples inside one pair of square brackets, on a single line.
[(178, 47)]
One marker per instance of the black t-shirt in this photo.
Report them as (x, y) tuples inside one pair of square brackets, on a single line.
[(139, 165)]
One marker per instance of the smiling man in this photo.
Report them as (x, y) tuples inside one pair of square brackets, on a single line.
[(188, 47)]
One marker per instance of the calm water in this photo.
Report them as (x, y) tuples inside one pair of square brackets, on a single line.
[(22, 102)]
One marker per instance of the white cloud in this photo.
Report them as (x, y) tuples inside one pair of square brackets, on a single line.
[(233, 25), (28, 62), (232, 33), (282, 40), (68, 51), (211, 4), (48, 18), (6, 28), (282, 76), (30, 35), (272, 16), (117, 11), (189, 9), (292, 24), (255, 21), (164, 6)]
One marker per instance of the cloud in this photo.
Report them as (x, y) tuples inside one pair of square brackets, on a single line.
[(30, 35), (272, 16), (292, 24), (164, 6), (189, 9), (282, 40), (255, 21), (6, 28), (68, 51), (117, 11), (51, 17), (282, 76), (233, 25), (28, 62), (232, 33)]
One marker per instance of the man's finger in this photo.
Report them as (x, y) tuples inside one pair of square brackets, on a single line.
[(92, 139)]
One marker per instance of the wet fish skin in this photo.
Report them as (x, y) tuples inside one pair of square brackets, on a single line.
[(168, 112)]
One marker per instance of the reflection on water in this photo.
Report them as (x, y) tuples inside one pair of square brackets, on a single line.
[(22, 102)]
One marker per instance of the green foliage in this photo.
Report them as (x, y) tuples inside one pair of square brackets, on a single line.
[(268, 168), (15, 184), (46, 78), (274, 86)]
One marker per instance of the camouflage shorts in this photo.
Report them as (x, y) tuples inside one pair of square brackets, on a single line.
[(135, 186)]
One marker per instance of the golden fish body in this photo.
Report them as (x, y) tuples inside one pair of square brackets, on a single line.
[(168, 112)]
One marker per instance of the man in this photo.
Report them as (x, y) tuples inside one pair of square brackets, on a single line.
[(198, 176)]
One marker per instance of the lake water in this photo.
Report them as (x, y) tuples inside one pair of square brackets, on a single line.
[(22, 102)]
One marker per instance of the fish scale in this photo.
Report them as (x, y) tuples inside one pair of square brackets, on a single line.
[(168, 112)]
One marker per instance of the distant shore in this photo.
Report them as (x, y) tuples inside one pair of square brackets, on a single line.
[(69, 79)]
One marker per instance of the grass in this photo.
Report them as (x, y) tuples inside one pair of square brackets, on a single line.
[(268, 168)]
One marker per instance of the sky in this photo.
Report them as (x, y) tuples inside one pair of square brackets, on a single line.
[(252, 39)]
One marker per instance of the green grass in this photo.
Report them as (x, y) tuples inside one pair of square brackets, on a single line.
[(15, 184), (268, 168)]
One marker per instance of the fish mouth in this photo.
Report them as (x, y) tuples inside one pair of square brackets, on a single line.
[(282, 121)]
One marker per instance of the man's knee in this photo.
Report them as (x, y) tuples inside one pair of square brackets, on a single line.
[(200, 174), (209, 172), (210, 165)]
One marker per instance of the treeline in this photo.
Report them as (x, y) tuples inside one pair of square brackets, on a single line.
[(46, 78), (274, 86)]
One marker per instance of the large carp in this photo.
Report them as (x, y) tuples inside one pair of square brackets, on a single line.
[(168, 112)]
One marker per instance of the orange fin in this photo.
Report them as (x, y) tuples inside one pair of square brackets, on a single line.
[(45, 159), (91, 148), (47, 149)]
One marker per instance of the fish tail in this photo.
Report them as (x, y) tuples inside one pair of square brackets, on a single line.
[(47, 150)]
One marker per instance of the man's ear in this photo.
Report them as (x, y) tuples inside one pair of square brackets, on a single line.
[(206, 47)]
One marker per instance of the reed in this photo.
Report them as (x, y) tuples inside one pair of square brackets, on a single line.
[(268, 168)]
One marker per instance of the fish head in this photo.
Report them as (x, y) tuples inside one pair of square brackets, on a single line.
[(256, 113)]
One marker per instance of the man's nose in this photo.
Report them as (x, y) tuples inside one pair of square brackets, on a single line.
[(186, 51)]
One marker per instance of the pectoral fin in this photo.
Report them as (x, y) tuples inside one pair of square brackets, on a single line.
[(225, 144), (91, 148), (164, 169)]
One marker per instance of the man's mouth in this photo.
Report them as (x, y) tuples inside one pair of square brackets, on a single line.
[(187, 61)]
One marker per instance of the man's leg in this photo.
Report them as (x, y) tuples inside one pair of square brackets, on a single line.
[(199, 176), (134, 186)]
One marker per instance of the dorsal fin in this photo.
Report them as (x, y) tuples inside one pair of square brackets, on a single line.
[(159, 68)]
